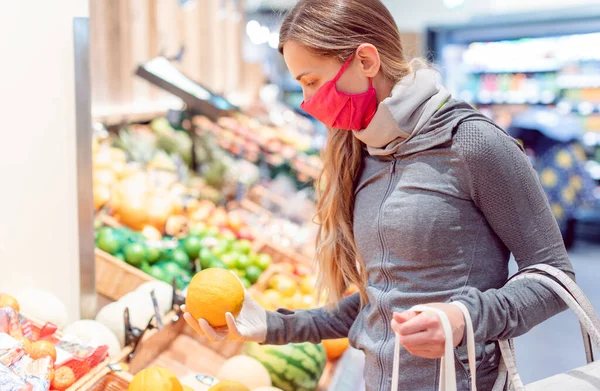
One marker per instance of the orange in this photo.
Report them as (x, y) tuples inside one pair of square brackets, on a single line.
[(9, 301), (63, 378), (41, 349), (335, 347), (212, 293)]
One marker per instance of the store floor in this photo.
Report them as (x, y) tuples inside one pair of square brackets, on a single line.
[(556, 345)]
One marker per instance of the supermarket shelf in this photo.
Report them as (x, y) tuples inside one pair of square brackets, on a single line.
[(116, 115)]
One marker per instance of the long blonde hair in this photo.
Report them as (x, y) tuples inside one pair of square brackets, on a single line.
[(335, 28)]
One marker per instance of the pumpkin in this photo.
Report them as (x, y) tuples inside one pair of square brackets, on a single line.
[(155, 379), (41, 349), (246, 370)]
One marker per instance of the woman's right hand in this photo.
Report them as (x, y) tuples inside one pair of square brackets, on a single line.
[(250, 325)]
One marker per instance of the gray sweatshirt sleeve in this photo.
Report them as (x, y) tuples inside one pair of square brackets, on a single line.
[(284, 326), (505, 187)]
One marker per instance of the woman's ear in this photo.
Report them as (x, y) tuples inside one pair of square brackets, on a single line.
[(369, 59)]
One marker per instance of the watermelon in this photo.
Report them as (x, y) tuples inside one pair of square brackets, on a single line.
[(293, 367)]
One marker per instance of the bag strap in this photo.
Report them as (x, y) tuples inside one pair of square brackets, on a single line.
[(575, 291), (448, 369), (589, 325), (578, 294)]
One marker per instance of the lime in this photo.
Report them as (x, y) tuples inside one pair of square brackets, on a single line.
[(181, 258), (253, 273), (205, 256), (153, 254), (243, 261), (242, 246), (198, 229), (221, 247), (145, 267), (108, 241), (263, 261), (120, 256), (170, 268), (246, 282), (216, 263), (158, 273), (135, 254), (192, 246), (230, 260)]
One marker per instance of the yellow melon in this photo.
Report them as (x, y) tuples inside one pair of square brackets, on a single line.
[(155, 379), (212, 293)]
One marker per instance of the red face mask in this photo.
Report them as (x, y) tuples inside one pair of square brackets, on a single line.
[(339, 110)]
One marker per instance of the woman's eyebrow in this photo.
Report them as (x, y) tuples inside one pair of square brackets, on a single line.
[(300, 76)]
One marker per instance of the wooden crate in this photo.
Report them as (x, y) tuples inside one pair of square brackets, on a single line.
[(107, 380), (115, 278), (178, 348)]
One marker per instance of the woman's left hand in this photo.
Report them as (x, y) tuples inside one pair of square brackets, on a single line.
[(422, 334)]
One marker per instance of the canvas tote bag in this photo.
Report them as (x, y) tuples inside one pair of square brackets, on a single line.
[(586, 378), (448, 370)]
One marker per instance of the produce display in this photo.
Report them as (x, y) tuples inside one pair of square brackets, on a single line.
[(39, 358), (162, 201), (276, 149), (171, 258), (288, 290), (142, 176)]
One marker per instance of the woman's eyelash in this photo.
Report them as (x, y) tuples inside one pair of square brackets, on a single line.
[(312, 84)]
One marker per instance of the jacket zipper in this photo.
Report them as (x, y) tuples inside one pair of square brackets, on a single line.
[(382, 311)]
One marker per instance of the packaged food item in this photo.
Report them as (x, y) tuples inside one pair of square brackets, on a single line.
[(38, 373), (9, 322), (10, 381)]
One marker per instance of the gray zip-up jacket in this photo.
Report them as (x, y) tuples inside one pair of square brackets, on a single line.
[(436, 222)]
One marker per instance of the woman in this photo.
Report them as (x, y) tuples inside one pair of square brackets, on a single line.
[(423, 201)]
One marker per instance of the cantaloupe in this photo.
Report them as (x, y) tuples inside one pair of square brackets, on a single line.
[(246, 370)]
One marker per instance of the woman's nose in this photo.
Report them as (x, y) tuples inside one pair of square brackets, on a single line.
[(307, 94)]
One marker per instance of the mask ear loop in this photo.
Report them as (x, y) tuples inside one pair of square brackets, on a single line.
[(343, 69)]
